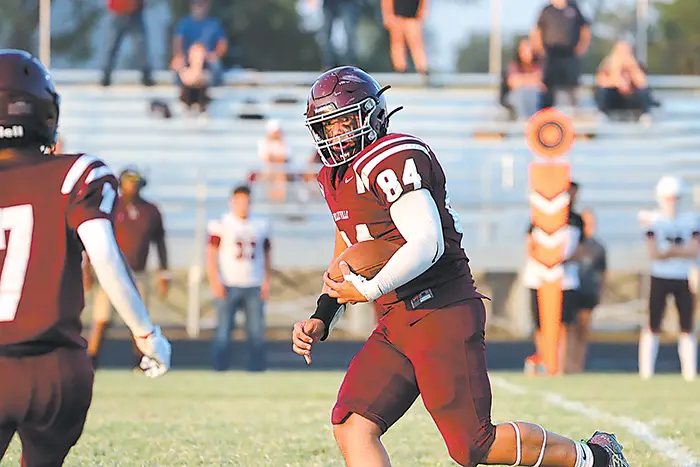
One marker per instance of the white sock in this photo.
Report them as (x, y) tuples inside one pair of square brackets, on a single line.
[(584, 455), (688, 355), (648, 351)]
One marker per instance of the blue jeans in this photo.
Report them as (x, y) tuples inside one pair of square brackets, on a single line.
[(119, 26), (525, 101), (248, 299), (349, 13)]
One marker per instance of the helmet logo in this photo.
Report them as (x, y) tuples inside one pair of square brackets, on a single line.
[(19, 108), (11, 132)]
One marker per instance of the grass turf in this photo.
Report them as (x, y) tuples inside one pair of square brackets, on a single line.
[(281, 419)]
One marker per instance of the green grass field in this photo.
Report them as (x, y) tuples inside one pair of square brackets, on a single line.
[(281, 419)]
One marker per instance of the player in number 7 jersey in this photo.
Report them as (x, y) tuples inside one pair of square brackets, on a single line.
[(51, 209), (430, 339)]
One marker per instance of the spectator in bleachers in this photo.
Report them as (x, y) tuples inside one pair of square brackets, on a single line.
[(195, 80), (348, 11), (562, 36), (592, 260), (126, 16), (524, 78), (274, 152), (621, 83), (404, 21), (199, 27), (238, 265)]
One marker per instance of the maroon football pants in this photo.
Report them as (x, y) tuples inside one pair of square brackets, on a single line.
[(442, 357), (45, 399)]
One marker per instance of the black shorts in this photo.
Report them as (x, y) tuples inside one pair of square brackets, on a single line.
[(561, 71), (569, 308), (588, 301), (685, 302)]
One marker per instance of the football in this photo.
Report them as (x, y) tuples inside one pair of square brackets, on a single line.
[(364, 258)]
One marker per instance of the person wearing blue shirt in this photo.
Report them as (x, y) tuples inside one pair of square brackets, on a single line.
[(200, 28)]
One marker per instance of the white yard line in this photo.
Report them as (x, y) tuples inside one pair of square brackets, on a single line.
[(666, 447)]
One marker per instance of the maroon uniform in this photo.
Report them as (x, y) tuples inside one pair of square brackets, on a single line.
[(43, 201), (432, 332), (137, 224)]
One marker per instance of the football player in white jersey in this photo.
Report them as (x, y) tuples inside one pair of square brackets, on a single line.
[(238, 268), (673, 243)]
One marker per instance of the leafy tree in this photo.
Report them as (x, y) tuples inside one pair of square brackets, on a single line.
[(19, 22), (674, 46)]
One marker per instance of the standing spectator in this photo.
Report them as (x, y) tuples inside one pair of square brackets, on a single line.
[(524, 81), (348, 11), (238, 268), (137, 224), (621, 83), (592, 260), (200, 28), (563, 35), (127, 17), (673, 243), (570, 283), (404, 21), (274, 152)]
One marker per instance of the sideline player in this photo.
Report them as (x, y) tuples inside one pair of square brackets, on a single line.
[(51, 208), (673, 243), (391, 187)]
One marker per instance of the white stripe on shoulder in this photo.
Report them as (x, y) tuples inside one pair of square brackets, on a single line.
[(76, 171), (382, 145), (98, 172), (371, 165)]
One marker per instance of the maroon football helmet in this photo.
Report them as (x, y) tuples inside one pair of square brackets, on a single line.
[(28, 102), (345, 113)]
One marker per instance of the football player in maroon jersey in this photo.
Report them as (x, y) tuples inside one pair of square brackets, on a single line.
[(51, 209), (430, 339)]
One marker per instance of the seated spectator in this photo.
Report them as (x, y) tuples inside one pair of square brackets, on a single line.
[(621, 83), (200, 28), (274, 152), (195, 79), (524, 79)]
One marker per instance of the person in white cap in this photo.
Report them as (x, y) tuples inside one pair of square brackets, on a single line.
[(274, 152), (673, 243)]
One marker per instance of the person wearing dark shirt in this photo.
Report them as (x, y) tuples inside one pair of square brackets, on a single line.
[(562, 36), (137, 224), (592, 260), (532, 279), (404, 21)]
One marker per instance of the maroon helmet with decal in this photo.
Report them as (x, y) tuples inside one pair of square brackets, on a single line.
[(29, 103), (345, 113)]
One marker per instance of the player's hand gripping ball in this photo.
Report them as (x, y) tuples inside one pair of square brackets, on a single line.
[(348, 276), (365, 259)]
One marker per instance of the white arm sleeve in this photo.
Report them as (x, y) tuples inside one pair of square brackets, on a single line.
[(113, 274), (416, 217)]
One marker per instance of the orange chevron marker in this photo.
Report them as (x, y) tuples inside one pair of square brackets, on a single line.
[(550, 135)]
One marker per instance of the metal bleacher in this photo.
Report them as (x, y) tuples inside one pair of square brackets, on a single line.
[(487, 178)]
